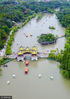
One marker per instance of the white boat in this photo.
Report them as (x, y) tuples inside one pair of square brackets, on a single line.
[(39, 75), (30, 34), (13, 75), (8, 82), (51, 77)]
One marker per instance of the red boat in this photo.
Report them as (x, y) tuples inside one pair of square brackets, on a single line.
[(26, 62), (26, 70)]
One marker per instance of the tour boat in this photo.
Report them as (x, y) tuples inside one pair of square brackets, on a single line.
[(26, 70), (26, 62)]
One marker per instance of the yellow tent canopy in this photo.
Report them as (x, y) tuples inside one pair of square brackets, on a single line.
[(34, 53), (21, 48), (34, 48), (20, 53)]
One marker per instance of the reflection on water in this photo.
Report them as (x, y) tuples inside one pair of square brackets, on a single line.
[(31, 86)]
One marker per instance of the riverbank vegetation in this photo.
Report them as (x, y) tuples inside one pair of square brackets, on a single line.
[(28, 19), (40, 15), (65, 65), (10, 41), (5, 60), (64, 18), (56, 55), (45, 39)]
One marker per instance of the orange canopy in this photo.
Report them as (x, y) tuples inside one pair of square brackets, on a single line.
[(26, 62)]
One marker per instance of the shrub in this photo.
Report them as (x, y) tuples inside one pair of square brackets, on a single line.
[(65, 73), (0, 69), (52, 56)]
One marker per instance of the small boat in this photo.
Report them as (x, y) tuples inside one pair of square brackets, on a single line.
[(39, 75), (5, 65), (26, 62), (30, 34), (26, 70), (8, 82), (26, 35), (51, 77), (13, 75)]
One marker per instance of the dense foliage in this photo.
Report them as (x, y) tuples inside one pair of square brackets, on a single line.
[(65, 65), (54, 54), (40, 15), (48, 38), (9, 15), (4, 60), (64, 18), (9, 43), (64, 14)]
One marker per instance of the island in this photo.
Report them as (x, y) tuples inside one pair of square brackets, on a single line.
[(52, 27), (46, 39)]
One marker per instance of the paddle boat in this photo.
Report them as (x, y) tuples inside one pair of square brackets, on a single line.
[(51, 77), (39, 75), (26, 35), (8, 82), (26, 70), (30, 34), (13, 75), (26, 62)]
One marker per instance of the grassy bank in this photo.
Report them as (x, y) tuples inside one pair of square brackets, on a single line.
[(28, 19), (5, 60), (52, 27), (10, 41), (56, 55), (40, 15), (64, 18)]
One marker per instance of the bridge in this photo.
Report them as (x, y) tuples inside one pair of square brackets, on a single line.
[(31, 54), (60, 36)]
